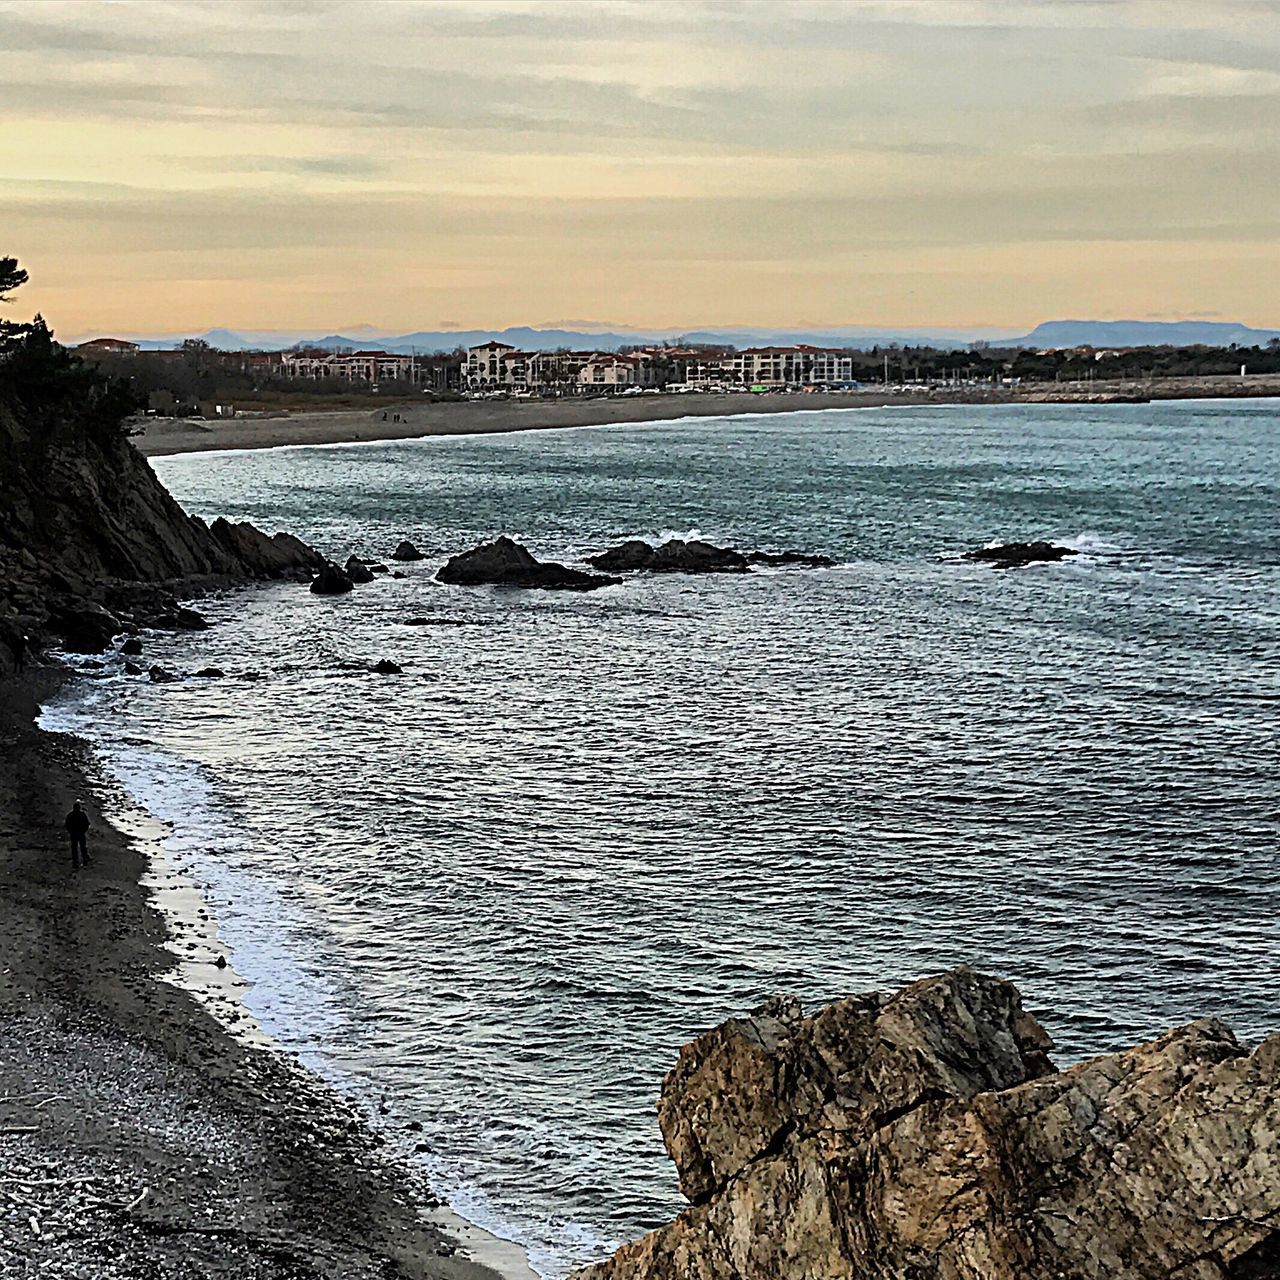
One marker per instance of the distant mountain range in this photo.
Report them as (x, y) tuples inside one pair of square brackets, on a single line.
[(1053, 333), (1142, 333)]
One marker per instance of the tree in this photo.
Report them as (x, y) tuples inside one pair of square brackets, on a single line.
[(12, 277)]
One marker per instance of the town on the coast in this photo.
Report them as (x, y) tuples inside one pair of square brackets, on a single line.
[(195, 377)]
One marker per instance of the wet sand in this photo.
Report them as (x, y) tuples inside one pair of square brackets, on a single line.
[(139, 1135)]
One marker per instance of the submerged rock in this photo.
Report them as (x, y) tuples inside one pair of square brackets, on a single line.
[(1013, 555), (160, 676), (357, 570), (385, 667), (132, 669), (211, 673), (330, 581), (927, 1135), (407, 551), (506, 563), (674, 556)]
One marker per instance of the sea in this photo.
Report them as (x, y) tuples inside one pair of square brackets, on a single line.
[(492, 896)]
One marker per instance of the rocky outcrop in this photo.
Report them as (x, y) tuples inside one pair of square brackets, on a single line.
[(678, 556), (673, 556), (85, 525), (504, 563), (790, 559), (406, 551), (1013, 555), (357, 570), (927, 1136), (330, 581)]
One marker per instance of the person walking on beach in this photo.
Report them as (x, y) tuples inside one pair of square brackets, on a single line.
[(20, 651), (77, 827)]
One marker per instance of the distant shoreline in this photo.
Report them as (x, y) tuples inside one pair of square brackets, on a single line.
[(167, 436)]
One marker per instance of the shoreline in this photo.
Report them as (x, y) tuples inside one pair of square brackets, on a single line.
[(115, 967), (167, 437)]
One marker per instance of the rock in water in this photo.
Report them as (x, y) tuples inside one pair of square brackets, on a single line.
[(132, 647), (132, 668), (357, 570), (211, 673), (160, 676), (330, 581), (385, 667), (790, 559), (674, 556), (407, 551), (1013, 555), (505, 563), (927, 1135)]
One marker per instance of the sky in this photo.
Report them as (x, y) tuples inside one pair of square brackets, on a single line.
[(169, 167)]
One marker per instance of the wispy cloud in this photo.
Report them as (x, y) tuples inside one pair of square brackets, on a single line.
[(507, 159)]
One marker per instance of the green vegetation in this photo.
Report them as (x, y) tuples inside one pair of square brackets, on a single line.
[(59, 398)]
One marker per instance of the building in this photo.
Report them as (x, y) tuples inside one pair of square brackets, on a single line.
[(355, 366), (606, 371), (109, 347)]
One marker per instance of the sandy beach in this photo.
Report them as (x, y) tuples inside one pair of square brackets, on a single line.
[(138, 1135), (161, 436)]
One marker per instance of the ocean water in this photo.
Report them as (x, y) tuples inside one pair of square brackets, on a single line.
[(497, 892)]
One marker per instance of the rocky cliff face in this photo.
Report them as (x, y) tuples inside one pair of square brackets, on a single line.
[(926, 1136), (83, 518)]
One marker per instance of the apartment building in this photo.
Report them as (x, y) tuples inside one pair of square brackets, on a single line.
[(362, 366)]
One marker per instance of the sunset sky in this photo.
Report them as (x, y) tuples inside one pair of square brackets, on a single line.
[(170, 167)]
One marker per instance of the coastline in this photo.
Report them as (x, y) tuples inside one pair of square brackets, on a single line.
[(162, 437), (137, 1126)]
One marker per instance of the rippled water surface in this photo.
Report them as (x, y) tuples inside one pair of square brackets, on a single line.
[(501, 889)]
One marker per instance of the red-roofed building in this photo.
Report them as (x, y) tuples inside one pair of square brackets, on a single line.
[(109, 347)]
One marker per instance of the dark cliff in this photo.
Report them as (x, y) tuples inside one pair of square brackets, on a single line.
[(927, 1136), (86, 528)]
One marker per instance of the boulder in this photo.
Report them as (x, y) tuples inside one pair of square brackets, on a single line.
[(375, 566), (132, 669), (1013, 555), (357, 570), (190, 620), (83, 625), (505, 563), (211, 673), (330, 581), (132, 647), (673, 556), (927, 1135), (385, 667), (160, 676), (407, 551)]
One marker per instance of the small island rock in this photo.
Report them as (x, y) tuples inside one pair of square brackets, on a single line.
[(407, 551), (385, 667), (1013, 555), (505, 563)]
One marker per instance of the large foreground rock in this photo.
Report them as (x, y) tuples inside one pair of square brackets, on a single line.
[(926, 1136), (504, 563)]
